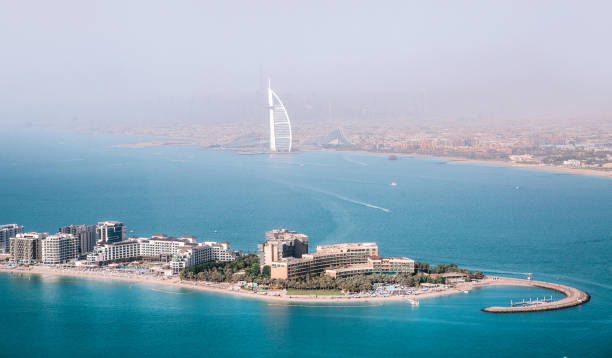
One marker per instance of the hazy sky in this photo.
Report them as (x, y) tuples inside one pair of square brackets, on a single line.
[(204, 61)]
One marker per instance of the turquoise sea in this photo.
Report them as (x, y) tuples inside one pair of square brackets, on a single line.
[(495, 219)]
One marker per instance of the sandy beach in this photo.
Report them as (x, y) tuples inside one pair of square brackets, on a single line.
[(545, 167), (503, 163), (573, 296), (226, 288)]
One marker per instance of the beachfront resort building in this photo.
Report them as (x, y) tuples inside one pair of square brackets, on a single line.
[(337, 260), (375, 265), (60, 248), (325, 257), (6, 232), (85, 233), (207, 251), (26, 248), (280, 244), (180, 252), (109, 232)]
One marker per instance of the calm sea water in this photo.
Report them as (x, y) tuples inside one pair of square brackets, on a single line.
[(557, 226)]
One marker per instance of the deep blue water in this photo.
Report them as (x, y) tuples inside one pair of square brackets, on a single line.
[(555, 225)]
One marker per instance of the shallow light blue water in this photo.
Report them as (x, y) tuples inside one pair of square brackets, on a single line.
[(557, 226)]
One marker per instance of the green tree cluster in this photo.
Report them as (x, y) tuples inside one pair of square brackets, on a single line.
[(225, 271), (247, 268)]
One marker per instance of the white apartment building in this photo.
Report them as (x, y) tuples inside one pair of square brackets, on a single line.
[(60, 248), (26, 248), (185, 251), (117, 251), (202, 252), (6, 232)]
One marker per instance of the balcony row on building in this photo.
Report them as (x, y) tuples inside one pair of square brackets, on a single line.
[(286, 252), (87, 235), (106, 243), (179, 252)]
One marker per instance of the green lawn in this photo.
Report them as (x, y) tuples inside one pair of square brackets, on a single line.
[(295, 291)]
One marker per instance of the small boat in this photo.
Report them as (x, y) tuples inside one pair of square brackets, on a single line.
[(393, 183), (392, 157), (465, 291)]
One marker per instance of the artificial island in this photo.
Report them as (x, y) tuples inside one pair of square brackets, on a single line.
[(282, 270)]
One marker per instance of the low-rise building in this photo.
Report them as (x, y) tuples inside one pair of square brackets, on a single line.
[(26, 248), (453, 277), (573, 163), (375, 265), (202, 252)]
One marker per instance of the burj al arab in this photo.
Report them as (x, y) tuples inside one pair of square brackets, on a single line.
[(280, 125)]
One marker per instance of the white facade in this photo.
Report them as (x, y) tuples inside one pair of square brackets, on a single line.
[(117, 251), (185, 251), (202, 252), (6, 232), (60, 248), (281, 136)]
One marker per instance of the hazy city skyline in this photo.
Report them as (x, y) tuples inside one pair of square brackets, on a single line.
[(105, 62)]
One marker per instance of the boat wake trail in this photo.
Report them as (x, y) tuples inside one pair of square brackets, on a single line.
[(348, 159), (344, 198)]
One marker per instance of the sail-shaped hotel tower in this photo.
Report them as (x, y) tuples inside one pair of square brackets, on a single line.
[(280, 125)]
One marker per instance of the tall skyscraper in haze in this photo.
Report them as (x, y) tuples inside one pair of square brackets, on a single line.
[(280, 125)]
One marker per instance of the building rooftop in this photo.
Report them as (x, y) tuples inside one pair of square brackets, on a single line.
[(284, 235), (346, 246), (398, 258), (110, 222), (453, 274)]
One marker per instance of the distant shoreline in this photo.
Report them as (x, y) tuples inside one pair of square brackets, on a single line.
[(573, 296), (159, 141), (448, 160), (544, 167)]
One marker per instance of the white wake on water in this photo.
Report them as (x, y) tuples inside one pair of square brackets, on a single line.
[(354, 161), (341, 197)]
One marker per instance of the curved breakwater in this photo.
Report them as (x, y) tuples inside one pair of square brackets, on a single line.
[(573, 297)]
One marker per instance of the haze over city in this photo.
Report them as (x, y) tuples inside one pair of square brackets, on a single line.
[(97, 63), (305, 178)]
